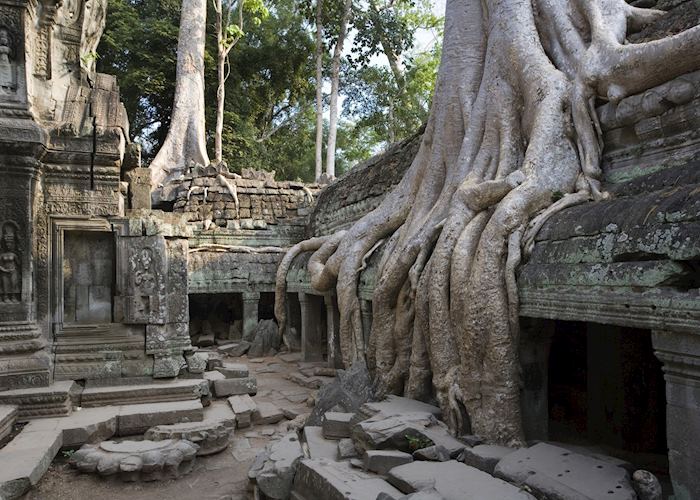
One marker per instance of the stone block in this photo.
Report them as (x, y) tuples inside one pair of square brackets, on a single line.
[(484, 456), (235, 350), (235, 387), (197, 362), (319, 447), (40, 402), (382, 461), (329, 480), (243, 408), (274, 468), (453, 481), (8, 417), (435, 453), (336, 425), (154, 392), (233, 370), (267, 413), (346, 449), (137, 419), (211, 436), (559, 474)]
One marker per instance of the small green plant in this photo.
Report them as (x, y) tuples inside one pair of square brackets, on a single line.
[(557, 195), (67, 453), (417, 442)]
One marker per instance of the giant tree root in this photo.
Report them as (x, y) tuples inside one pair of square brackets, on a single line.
[(513, 128)]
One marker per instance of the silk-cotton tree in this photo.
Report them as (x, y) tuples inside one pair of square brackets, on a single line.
[(512, 137)]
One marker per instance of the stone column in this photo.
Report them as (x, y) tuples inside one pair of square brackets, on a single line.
[(366, 313), (680, 354), (311, 328), (250, 313), (333, 328), (535, 342)]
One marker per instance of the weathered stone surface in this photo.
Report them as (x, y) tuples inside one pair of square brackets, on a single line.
[(319, 447), (435, 453), (211, 436), (322, 478), (484, 456), (265, 338), (348, 391), (429, 494), (197, 362), (267, 413), (25, 459), (274, 468), (336, 425), (236, 350), (243, 407), (454, 481), (37, 402), (137, 419), (396, 405), (235, 387), (8, 417), (559, 474), (346, 449), (406, 432), (382, 461), (154, 392), (233, 370), (137, 460)]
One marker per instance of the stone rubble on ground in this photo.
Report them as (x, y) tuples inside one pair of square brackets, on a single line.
[(243, 407)]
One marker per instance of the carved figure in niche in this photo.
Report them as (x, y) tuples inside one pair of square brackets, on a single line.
[(7, 65), (144, 274), (10, 265)]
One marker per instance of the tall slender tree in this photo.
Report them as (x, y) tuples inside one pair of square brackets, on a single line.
[(319, 89)]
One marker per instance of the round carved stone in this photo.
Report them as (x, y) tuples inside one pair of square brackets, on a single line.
[(137, 460), (211, 436)]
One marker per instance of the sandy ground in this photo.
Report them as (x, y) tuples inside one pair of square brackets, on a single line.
[(217, 477)]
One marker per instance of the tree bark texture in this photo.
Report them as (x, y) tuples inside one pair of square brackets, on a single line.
[(319, 90)]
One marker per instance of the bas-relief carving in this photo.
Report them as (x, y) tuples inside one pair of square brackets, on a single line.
[(8, 63), (10, 264)]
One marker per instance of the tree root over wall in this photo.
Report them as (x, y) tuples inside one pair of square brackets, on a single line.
[(513, 137)]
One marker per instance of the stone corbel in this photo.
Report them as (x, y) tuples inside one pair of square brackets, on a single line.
[(46, 19)]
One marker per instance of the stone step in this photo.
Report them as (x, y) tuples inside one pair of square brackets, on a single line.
[(243, 407), (454, 481), (233, 370), (8, 417), (153, 392), (25, 459), (39, 402), (330, 480), (235, 387)]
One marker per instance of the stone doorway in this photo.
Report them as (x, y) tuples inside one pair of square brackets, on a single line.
[(215, 316)]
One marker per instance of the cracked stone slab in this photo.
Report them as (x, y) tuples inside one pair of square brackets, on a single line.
[(274, 468), (267, 413), (319, 447), (211, 436), (329, 480), (454, 481), (233, 370), (561, 474), (137, 460)]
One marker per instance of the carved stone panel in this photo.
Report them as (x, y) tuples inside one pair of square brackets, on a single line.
[(145, 269)]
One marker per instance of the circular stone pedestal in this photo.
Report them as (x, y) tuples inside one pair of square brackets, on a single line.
[(211, 436), (137, 460)]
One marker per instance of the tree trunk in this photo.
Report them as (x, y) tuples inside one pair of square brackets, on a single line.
[(220, 89), (512, 123), (186, 139), (335, 84), (319, 90)]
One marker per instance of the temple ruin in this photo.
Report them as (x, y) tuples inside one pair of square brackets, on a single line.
[(118, 318)]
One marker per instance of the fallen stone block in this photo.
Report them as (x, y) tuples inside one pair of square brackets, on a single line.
[(243, 407), (274, 468), (8, 417), (197, 362), (233, 370), (137, 419), (336, 425), (453, 481), (324, 371), (290, 413), (382, 461), (205, 340), (137, 460), (396, 405), (319, 447), (346, 449), (214, 360), (328, 480), (484, 456), (154, 392), (235, 387), (235, 350), (25, 459), (435, 453), (211, 436), (559, 474), (267, 413), (348, 391)]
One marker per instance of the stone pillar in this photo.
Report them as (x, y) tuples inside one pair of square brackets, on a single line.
[(311, 327), (335, 359), (366, 312), (250, 313), (535, 342), (680, 354)]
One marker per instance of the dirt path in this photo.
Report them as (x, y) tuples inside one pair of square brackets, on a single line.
[(217, 477)]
